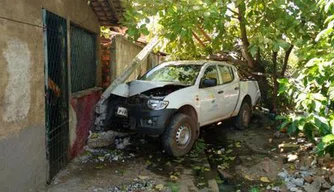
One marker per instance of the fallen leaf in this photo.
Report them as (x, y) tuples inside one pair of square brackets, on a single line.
[(173, 177), (292, 157), (248, 178), (159, 187), (229, 151), (264, 179), (231, 158), (99, 167), (237, 144), (142, 177), (178, 160), (223, 166), (94, 136), (148, 162), (168, 163), (101, 158), (201, 184)]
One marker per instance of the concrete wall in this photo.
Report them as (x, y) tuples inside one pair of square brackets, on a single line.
[(122, 54), (23, 164)]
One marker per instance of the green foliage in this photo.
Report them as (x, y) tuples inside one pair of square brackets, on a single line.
[(312, 93), (326, 145), (272, 25), (312, 88), (176, 21), (105, 32), (254, 189), (199, 146), (174, 187)]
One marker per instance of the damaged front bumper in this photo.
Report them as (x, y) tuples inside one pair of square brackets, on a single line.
[(137, 117), (150, 122)]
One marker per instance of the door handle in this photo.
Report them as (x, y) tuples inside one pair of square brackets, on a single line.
[(236, 88), (220, 92)]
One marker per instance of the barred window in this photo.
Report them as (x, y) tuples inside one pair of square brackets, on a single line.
[(83, 59)]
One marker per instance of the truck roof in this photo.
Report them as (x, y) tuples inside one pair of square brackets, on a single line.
[(193, 62), (185, 62)]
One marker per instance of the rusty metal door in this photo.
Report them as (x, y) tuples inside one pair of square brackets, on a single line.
[(56, 91)]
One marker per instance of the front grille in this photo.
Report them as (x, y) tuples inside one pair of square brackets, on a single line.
[(136, 100)]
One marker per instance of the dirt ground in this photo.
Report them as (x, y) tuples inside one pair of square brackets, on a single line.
[(224, 159), (141, 165)]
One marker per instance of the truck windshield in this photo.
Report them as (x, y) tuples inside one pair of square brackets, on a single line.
[(183, 74)]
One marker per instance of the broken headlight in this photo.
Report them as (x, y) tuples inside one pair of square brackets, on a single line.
[(157, 104)]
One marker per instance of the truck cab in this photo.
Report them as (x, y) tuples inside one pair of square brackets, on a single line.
[(175, 99)]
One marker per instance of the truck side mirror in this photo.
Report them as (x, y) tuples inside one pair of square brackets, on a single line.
[(209, 82)]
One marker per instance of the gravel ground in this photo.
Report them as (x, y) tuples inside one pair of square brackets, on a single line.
[(134, 164)]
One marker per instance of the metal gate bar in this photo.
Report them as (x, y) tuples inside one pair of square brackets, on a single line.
[(83, 59), (56, 88)]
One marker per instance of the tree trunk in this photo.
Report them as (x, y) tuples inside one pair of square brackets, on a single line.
[(274, 75), (286, 59), (244, 38), (254, 65)]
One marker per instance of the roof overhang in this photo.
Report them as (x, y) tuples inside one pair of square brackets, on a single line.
[(109, 12)]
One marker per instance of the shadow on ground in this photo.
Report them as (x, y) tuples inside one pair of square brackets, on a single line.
[(136, 163), (256, 159)]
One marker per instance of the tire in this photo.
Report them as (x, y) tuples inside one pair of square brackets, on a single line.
[(179, 135), (242, 121)]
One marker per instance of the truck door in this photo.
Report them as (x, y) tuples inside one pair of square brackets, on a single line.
[(208, 97), (229, 90)]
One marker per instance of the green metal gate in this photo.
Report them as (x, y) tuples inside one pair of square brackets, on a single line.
[(56, 91), (83, 59)]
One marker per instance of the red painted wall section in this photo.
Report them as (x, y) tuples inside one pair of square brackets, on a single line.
[(84, 109)]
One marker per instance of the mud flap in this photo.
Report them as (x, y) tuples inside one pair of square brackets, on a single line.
[(198, 130)]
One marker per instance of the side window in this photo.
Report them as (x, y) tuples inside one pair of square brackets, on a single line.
[(211, 73), (226, 74)]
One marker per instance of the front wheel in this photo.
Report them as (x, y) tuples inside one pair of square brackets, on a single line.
[(179, 136), (243, 119)]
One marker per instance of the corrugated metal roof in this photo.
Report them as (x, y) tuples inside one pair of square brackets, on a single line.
[(109, 12)]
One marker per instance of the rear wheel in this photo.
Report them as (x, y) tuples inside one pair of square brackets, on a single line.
[(179, 136), (244, 116)]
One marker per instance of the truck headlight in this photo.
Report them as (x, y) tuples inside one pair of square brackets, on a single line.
[(157, 104)]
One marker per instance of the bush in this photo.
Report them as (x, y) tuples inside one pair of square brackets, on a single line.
[(312, 92)]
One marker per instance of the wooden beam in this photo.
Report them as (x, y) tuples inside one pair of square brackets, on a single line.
[(198, 39), (207, 37)]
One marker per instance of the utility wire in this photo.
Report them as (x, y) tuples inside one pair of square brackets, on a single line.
[(22, 22)]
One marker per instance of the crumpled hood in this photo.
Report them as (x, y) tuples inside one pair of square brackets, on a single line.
[(138, 86)]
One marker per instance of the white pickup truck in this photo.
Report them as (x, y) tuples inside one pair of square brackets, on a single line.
[(174, 99)]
